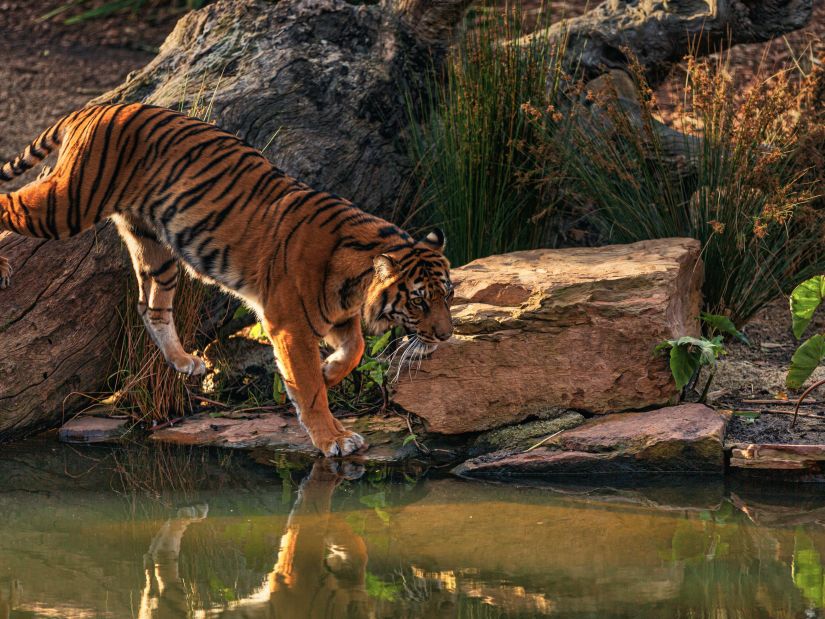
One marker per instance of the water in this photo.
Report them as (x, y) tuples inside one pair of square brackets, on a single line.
[(145, 532)]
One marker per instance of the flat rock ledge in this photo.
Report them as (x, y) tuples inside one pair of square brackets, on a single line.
[(94, 429), (682, 439), (780, 461), (278, 433), (547, 329)]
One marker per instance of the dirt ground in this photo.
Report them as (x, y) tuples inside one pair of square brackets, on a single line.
[(750, 381), (49, 68)]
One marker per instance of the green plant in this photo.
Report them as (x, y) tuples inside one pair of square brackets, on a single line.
[(689, 354), (473, 169), (804, 301), (733, 181)]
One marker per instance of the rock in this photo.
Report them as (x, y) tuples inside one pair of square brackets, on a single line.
[(524, 435), (93, 430), (274, 433), (570, 328), (779, 457), (677, 439)]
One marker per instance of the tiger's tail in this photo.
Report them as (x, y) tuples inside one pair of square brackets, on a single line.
[(35, 152)]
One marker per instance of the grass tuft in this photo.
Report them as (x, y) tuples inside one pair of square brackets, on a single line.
[(473, 168)]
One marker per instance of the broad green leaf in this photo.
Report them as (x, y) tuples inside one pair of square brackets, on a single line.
[(683, 364), (805, 360), (725, 325), (381, 343), (408, 439), (805, 298)]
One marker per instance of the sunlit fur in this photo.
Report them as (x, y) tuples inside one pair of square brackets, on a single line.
[(180, 190)]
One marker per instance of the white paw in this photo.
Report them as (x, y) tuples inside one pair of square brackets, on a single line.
[(344, 445), (192, 366)]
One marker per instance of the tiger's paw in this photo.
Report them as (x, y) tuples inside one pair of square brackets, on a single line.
[(343, 444), (189, 365), (5, 272)]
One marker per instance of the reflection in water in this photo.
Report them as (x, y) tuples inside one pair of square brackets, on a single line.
[(248, 543)]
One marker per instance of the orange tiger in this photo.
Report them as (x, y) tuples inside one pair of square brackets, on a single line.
[(308, 262)]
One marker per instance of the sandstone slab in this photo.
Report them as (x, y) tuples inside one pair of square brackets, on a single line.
[(569, 328), (676, 439), (779, 457)]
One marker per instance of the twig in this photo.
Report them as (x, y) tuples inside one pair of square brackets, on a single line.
[(802, 397), (773, 401), (207, 400), (779, 411), (166, 424), (421, 447), (543, 441)]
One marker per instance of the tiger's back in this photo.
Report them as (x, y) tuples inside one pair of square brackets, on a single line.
[(179, 189)]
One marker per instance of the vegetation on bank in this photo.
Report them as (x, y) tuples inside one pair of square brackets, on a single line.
[(516, 153)]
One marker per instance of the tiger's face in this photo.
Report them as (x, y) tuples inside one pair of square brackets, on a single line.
[(411, 288)]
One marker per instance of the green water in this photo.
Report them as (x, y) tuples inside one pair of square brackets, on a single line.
[(143, 532)]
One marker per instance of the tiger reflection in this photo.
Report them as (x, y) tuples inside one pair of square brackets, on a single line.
[(320, 570), (10, 598)]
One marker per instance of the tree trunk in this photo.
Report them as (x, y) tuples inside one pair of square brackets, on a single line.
[(660, 34)]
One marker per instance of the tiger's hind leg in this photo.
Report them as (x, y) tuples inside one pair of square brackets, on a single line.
[(5, 272), (348, 342), (157, 274)]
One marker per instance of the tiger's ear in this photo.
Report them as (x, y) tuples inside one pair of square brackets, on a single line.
[(435, 239), (385, 266)]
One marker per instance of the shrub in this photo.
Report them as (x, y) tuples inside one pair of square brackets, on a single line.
[(472, 165), (746, 197)]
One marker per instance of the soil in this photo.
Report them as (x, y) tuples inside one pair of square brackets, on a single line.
[(50, 68), (751, 379)]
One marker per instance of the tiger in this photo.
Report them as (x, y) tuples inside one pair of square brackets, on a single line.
[(310, 264)]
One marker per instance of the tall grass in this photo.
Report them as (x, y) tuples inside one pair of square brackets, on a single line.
[(746, 194), (473, 170)]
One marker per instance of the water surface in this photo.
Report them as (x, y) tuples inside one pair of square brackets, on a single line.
[(140, 532)]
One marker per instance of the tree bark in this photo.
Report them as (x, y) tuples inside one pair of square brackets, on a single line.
[(661, 33)]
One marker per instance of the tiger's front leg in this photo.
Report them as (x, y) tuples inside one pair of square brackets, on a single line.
[(296, 351), (348, 342), (5, 272)]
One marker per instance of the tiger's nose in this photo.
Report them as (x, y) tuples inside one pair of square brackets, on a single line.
[(443, 334)]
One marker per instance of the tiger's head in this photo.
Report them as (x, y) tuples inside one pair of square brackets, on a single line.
[(411, 288)]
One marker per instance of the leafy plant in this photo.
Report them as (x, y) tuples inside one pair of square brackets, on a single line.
[(473, 171), (805, 300), (689, 354)]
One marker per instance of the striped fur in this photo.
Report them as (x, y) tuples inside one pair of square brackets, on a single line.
[(182, 191)]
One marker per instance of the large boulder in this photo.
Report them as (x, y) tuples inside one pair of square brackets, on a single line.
[(567, 328), (675, 439)]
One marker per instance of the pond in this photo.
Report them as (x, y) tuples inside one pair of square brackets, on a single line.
[(149, 532)]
